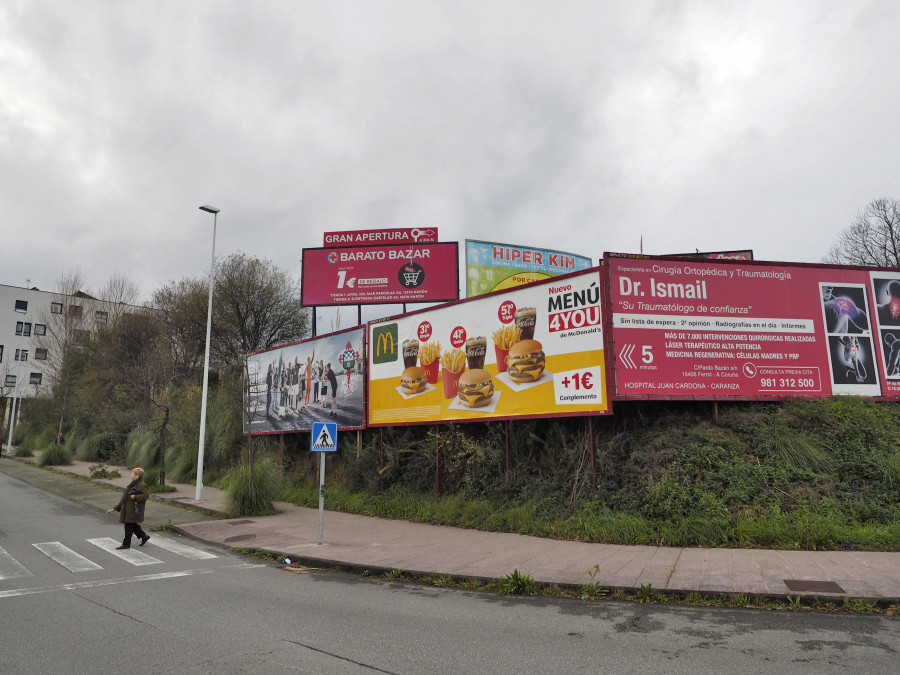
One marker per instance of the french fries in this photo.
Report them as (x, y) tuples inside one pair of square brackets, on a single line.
[(507, 336), (454, 360), (429, 352)]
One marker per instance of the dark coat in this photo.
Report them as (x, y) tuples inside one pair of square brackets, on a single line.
[(126, 510)]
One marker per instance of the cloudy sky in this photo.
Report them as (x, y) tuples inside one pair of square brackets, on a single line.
[(582, 126)]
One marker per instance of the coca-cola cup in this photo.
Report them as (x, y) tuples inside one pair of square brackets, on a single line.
[(476, 348), (526, 317), (410, 353)]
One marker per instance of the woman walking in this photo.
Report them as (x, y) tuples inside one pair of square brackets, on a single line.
[(131, 508)]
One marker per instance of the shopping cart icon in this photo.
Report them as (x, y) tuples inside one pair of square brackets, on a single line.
[(411, 278)]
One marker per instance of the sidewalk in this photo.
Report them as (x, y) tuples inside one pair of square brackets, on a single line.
[(359, 543)]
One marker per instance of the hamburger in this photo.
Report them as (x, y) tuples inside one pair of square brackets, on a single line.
[(475, 388), (413, 380), (525, 362)]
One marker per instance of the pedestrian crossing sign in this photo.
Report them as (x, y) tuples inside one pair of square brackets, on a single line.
[(323, 437)]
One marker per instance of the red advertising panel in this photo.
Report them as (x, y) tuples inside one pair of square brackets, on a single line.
[(402, 235), (701, 329), (372, 275), (533, 351)]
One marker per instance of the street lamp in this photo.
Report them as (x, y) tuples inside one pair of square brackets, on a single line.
[(212, 275), (12, 416)]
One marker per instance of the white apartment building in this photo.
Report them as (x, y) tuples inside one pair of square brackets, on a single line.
[(35, 327)]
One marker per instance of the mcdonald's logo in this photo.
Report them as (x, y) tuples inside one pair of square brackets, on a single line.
[(385, 342)]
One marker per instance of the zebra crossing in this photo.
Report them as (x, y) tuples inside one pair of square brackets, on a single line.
[(86, 561)]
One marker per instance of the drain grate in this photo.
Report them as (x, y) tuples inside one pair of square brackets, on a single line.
[(800, 586)]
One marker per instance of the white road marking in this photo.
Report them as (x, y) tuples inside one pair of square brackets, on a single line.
[(72, 561), (180, 549), (130, 555), (112, 582), (10, 568)]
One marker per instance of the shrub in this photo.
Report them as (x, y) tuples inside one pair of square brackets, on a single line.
[(252, 488), (55, 455)]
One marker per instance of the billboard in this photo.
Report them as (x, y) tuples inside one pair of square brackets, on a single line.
[(287, 388), (402, 235), (493, 267), (715, 255), (384, 274), (686, 328), (531, 351)]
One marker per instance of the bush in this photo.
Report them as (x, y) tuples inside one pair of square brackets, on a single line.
[(101, 447), (55, 455), (252, 488)]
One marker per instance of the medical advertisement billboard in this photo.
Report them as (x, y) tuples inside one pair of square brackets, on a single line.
[(531, 351), (289, 387), (686, 328), (493, 267), (384, 274)]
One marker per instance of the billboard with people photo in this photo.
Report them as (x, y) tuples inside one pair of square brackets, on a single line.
[(289, 387), (532, 351)]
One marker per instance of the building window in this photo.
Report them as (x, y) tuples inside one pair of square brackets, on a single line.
[(21, 305), (101, 317), (56, 308), (39, 354), (75, 311), (10, 380), (35, 378), (23, 328), (21, 355), (1, 353), (40, 329), (78, 336)]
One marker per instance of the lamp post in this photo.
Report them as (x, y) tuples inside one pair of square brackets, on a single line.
[(12, 416), (212, 275)]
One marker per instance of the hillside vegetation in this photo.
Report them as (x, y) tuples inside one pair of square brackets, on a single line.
[(795, 475)]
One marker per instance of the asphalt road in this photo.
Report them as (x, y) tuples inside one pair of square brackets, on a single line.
[(193, 608)]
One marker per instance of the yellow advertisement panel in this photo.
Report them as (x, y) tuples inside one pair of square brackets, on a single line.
[(531, 351)]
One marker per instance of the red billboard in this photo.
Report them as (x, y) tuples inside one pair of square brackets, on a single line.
[(685, 328), (373, 275), (398, 235)]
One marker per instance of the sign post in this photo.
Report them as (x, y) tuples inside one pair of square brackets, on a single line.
[(322, 439)]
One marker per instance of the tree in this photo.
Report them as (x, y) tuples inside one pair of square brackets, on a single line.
[(66, 326), (872, 238), (139, 361), (184, 304), (256, 305)]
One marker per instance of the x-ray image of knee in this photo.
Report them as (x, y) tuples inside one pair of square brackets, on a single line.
[(890, 341), (887, 298), (851, 360), (845, 309)]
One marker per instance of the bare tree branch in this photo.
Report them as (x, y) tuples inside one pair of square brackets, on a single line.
[(872, 238)]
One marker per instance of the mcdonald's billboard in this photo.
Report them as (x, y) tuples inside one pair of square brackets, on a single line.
[(532, 351)]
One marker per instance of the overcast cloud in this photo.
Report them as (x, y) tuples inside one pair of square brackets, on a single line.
[(581, 126)]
